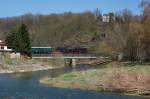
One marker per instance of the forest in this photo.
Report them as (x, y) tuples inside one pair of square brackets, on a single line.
[(125, 34)]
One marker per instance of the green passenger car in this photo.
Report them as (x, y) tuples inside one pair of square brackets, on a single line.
[(42, 50)]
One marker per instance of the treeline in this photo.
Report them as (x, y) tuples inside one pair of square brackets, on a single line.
[(126, 34)]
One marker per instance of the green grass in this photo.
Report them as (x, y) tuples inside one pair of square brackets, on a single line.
[(7, 60), (68, 77), (102, 73), (88, 80)]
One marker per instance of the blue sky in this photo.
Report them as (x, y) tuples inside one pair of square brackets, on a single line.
[(19, 7)]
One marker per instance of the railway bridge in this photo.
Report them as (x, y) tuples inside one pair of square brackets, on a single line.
[(71, 57)]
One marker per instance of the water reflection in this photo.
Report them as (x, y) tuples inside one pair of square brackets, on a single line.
[(24, 76)]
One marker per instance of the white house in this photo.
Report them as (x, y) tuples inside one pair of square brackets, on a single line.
[(108, 17), (5, 50), (3, 47), (105, 18)]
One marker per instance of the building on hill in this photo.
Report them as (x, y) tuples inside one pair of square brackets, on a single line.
[(108, 17), (105, 18)]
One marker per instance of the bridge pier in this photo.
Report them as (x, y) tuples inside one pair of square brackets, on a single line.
[(72, 63)]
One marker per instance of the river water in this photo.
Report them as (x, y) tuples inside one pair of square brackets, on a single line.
[(27, 86)]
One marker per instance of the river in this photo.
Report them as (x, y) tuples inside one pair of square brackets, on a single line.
[(27, 86)]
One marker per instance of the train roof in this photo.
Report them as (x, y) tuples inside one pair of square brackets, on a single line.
[(41, 47)]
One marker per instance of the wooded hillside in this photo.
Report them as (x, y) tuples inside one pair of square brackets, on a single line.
[(124, 33), (68, 29)]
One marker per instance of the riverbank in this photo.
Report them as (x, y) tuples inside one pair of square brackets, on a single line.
[(115, 77), (9, 65), (25, 68)]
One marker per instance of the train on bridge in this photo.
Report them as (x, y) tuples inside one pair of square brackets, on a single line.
[(50, 50)]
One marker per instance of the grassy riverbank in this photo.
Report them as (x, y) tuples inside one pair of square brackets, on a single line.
[(12, 65), (120, 77)]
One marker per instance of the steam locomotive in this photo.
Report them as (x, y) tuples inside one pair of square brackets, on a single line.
[(72, 50)]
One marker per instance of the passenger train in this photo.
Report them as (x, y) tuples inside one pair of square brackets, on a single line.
[(50, 50)]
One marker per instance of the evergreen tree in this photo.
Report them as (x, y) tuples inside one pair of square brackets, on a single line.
[(12, 41), (20, 41), (24, 40)]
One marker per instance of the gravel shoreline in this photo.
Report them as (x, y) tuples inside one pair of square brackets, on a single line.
[(20, 69)]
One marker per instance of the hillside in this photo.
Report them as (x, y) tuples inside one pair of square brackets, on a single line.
[(75, 30)]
